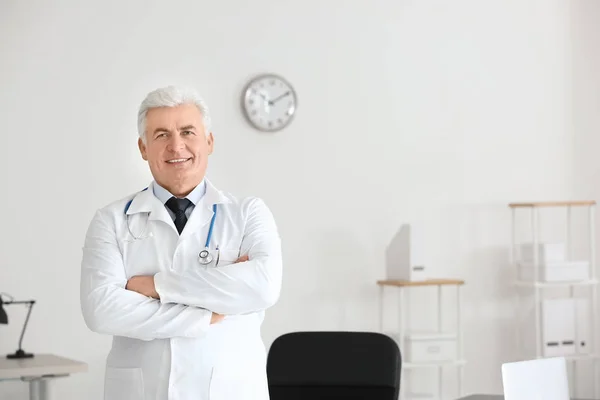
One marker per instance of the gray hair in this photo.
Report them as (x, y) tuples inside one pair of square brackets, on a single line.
[(171, 96)]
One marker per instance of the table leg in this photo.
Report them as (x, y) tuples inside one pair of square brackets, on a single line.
[(38, 389)]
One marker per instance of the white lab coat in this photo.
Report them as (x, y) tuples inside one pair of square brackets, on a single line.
[(167, 349)]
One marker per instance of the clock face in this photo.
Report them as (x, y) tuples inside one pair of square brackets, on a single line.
[(269, 102)]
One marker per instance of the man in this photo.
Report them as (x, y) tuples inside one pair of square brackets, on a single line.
[(185, 323)]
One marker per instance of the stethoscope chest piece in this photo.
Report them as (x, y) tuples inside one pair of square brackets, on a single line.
[(204, 257)]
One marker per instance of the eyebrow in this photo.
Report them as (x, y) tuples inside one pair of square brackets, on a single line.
[(183, 128), (160, 130)]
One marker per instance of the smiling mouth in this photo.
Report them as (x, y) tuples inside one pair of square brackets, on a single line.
[(178, 160)]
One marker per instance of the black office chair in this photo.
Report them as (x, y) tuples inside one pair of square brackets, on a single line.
[(334, 365)]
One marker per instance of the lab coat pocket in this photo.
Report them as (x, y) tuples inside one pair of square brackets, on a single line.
[(123, 384)]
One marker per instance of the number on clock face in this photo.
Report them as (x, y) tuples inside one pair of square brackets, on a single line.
[(269, 103)]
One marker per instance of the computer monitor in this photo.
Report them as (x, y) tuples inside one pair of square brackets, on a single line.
[(539, 379)]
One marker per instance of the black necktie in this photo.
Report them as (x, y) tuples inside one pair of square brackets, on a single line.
[(178, 206)]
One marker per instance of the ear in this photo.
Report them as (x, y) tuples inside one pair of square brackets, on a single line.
[(210, 140), (142, 148)]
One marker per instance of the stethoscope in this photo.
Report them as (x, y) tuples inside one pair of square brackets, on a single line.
[(205, 256)]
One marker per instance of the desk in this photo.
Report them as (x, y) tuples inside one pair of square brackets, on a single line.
[(38, 370), (491, 397)]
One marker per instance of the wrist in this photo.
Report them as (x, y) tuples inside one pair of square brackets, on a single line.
[(154, 292)]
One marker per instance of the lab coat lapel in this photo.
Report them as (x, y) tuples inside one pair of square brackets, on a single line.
[(146, 201), (203, 212)]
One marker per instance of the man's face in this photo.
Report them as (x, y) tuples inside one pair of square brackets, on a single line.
[(177, 147)]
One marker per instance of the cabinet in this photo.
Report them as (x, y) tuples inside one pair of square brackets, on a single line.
[(435, 350), (556, 287)]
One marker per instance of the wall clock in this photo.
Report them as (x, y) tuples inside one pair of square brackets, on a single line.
[(269, 102)]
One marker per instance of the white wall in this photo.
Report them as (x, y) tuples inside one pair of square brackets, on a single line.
[(586, 96), (585, 33), (435, 111)]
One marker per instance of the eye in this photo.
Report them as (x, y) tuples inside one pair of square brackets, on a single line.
[(187, 133)]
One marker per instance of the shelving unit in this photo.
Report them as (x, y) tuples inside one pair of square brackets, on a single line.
[(434, 350), (547, 268)]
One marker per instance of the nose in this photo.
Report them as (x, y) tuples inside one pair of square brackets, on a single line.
[(176, 143)]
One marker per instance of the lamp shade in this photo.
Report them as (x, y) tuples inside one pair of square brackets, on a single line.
[(3, 315)]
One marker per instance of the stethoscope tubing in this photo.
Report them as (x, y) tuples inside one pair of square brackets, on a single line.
[(208, 258)]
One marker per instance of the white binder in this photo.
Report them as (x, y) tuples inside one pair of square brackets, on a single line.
[(405, 255), (558, 327), (583, 332)]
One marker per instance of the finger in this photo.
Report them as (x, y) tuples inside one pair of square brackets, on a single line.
[(242, 259)]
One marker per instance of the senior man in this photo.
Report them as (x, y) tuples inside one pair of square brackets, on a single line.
[(181, 273)]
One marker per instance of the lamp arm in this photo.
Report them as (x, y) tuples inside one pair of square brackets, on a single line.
[(30, 303)]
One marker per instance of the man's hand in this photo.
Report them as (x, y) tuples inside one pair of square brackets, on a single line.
[(216, 318), (143, 284), (241, 259)]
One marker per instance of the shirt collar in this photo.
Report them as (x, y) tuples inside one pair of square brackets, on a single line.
[(164, 195)]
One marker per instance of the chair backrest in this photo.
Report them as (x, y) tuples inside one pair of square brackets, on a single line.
[(540, 379), (334, 365)]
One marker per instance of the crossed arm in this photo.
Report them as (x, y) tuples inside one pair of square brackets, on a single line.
[(168, 304), (250, 284)]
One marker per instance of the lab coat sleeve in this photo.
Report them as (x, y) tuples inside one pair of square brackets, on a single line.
[(109, 308), (233, 289)]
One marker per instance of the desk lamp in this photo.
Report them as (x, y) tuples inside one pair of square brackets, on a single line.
[(4, 320)]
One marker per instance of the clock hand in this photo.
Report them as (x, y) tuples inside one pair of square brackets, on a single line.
[(279, 98)]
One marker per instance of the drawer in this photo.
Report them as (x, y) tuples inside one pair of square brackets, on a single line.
[(434, 349)]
